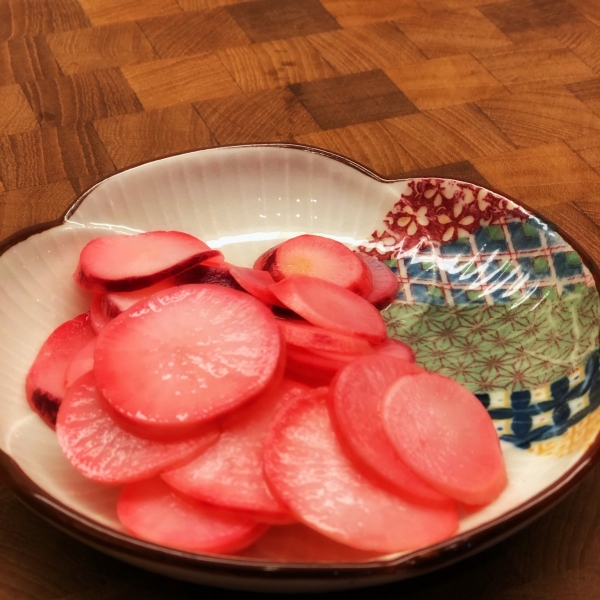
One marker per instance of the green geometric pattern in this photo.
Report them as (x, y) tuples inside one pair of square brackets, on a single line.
[(504, 346)]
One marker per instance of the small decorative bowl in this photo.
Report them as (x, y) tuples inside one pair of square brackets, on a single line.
[(489, 295)]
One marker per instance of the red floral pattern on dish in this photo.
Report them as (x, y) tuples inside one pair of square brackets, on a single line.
[(434, 211)]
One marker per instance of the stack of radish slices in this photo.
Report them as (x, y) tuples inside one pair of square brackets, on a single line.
[(227, 401)]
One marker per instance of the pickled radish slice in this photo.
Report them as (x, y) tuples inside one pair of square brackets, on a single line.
[(115, 303), (396, 348), (81, 363), (98, 316), (310, 473), (385, 282), (306, 335), (45, 383), (256, 282), (264, 261), (443, 432), (186, 355), (323, 258), (330, 306), (154, 512), (310, 368), (103, 451), (356, 395), (299, 543), (206, 273), (129, 262), (230, 473)]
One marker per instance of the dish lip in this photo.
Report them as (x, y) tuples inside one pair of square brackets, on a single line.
[(405, 566)]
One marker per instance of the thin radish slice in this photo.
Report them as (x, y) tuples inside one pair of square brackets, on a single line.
[(186, 355), (230, 474), (98, 316), (219, 275), (154, 512), (323, 258), (45, 383), (123, 263), (443, 432), (299, 543), (81, 363), (396, 348), (307, 335), (385, 283), (264, 261), (356, 395), (257, 283), (103, 451), (310, 368), (309, 471), (117, 302), (332, 307)]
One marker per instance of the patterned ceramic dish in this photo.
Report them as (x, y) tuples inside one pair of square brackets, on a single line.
[(489, 295)]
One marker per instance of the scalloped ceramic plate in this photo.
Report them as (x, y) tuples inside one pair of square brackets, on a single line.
[(489, 294)]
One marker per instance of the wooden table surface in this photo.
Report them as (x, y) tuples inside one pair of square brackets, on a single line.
[(502, 92)]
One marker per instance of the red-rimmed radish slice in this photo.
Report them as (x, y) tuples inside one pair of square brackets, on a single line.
[(230, 474), (103, 451), (81, 363), (257, 283), (356, 395), (385, 283), (309, 368), (310, 473), (444, 433), (45, 383), (307, 335), (123, 263), (186, 355), (154, 512), (98, 316), (115, 303), (299, 543), (332, 307), (264, 261), (218, 275), (392, 347), (323, 258)]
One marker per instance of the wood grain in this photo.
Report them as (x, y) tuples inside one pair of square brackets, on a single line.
[(503, 93), (99, 48)]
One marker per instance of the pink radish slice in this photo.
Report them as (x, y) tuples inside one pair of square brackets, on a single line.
[(98, 316), (186, 355), (385, 283), (443, 432), (45, 383), (331, 307), (310, 473), (299, 543), (230, 474), (356, 395), (154, 512), (396, 348), (309, 368), (257, 283), (115, 303), (104, 452), (130, 262), (323, 258), (81, 363), (264, 261), (310, 336), (218, 275)]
